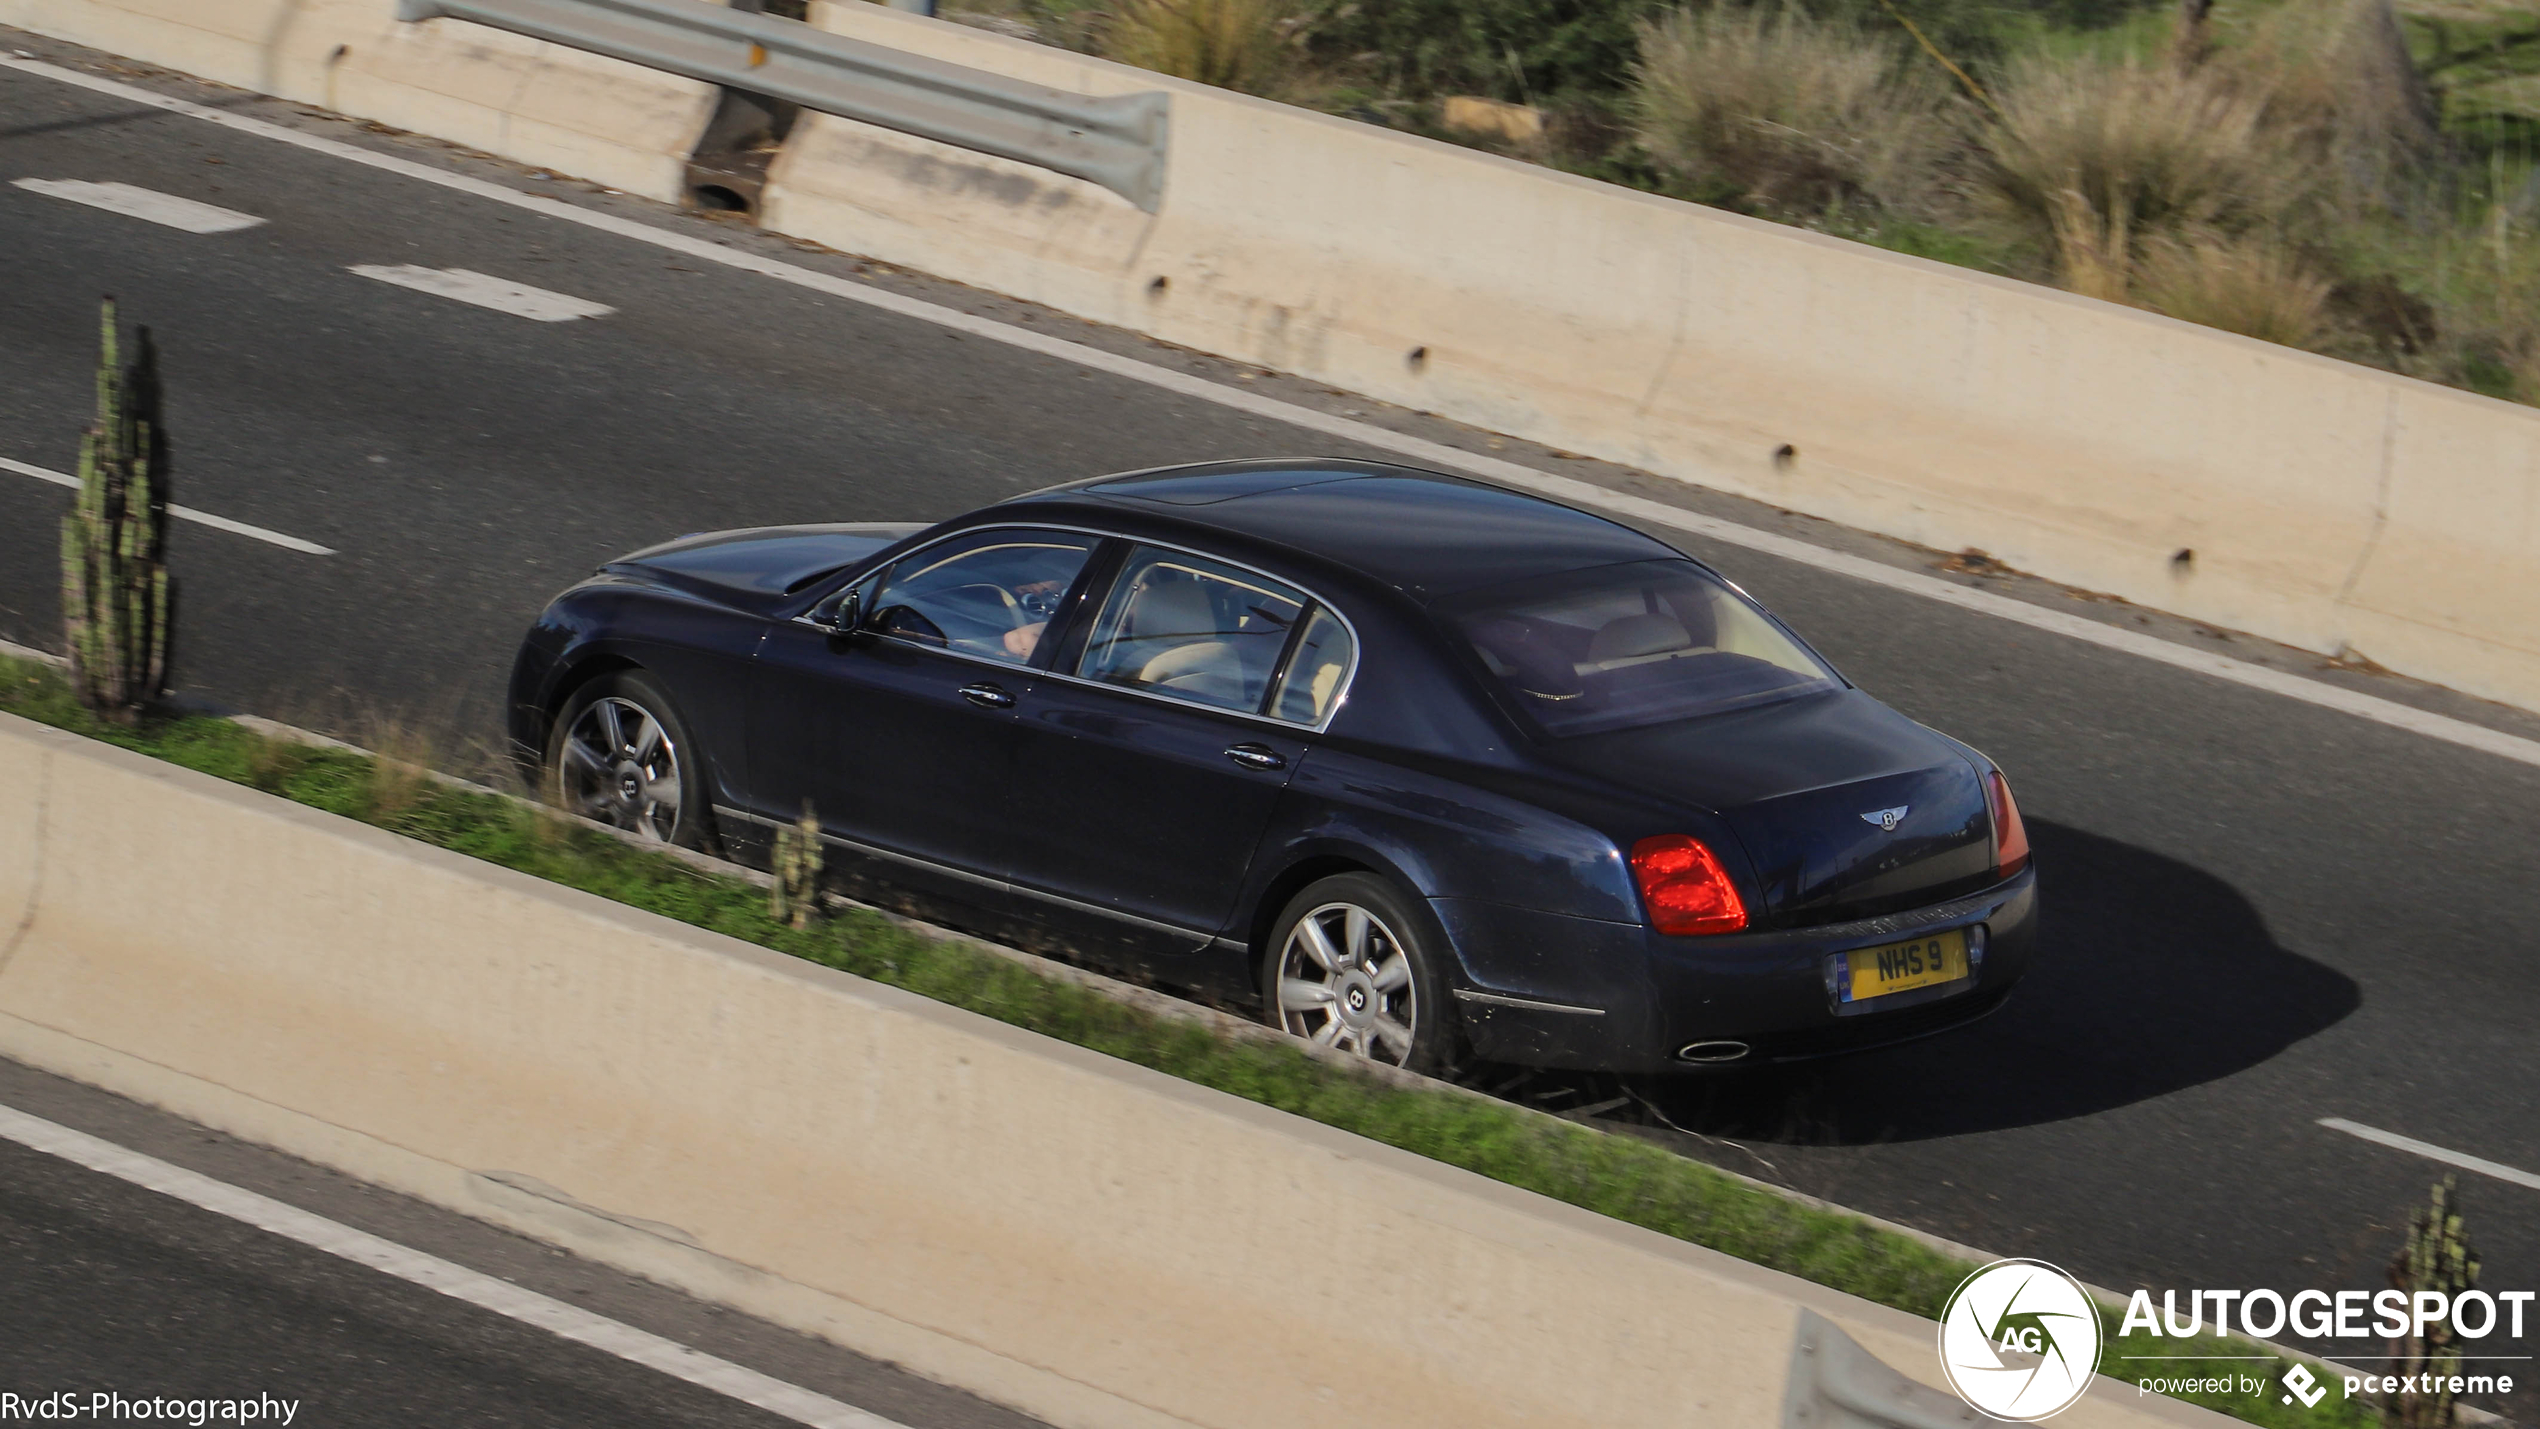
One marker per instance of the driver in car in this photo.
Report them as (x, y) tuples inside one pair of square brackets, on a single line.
[(1037, 598)]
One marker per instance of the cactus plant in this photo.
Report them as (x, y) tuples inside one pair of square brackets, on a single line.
[(116, 595), (2437, 1257), (795, 893)]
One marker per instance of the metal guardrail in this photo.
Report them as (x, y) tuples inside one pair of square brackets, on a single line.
[(1836, 1384), (1116, 142)]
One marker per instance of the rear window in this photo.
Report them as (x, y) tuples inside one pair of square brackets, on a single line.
[(1636, 644)]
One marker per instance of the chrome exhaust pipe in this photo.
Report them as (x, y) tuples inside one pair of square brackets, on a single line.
[(1721, 1051)]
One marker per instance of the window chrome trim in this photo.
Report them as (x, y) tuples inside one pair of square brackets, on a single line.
[(1530, 1004), (1314, 602), (1002, 885)]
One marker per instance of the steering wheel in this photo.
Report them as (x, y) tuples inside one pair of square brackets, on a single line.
[(981, 592)]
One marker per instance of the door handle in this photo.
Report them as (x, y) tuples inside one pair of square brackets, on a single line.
[(1257, 756), (987, 695)]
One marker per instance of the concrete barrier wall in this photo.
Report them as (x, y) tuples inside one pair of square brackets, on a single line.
[(593, 118), (2325, 504), (1069, 1234)]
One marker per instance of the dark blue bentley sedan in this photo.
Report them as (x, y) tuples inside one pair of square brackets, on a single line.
[(1429, 769)]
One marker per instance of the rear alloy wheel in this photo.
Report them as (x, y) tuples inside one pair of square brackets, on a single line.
[(620, 756), (1349, 970)]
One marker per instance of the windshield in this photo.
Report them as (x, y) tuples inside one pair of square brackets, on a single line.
[(1633, 644)]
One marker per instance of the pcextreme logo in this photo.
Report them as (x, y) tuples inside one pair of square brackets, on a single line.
[(2019, 1341), (2301, 1384)]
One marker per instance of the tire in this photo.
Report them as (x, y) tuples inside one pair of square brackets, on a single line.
[(1372, 984), (642, 776)]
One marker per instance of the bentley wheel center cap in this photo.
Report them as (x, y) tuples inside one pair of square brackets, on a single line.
[(1358, 997)]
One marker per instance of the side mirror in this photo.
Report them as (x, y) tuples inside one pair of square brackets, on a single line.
[(838, 614)]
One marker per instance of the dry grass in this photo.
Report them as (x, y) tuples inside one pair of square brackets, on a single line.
[(411, 753), (1247, 45), (2338, 84), (2099, 163), (2473, 278), (2251, 286), (1792, 111), (406, 758), (273, 763)]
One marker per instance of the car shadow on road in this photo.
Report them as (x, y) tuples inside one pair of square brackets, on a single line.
[(2151, 976)]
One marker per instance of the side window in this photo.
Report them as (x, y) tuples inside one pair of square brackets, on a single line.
[(1190, 627), (1317, 671), (987, 593)]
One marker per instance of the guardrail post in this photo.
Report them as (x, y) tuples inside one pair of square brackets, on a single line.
[(1116, 141), (727, 167), (1836, 1384)]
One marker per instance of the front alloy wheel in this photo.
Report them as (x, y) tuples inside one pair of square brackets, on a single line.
[(1345, 980), (618, 763)]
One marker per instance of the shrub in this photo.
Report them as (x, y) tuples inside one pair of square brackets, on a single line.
[(2251, 286), (2099, 162), (2337, 83), (1247, 45), (1789, 111), (1522, 50), (1548, 51), (2469, 280)]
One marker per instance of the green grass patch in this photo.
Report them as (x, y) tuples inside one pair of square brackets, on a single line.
[(1618, 1176), (1964, 248)]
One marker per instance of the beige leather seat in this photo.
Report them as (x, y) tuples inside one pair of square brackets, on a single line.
[(1171, 631), (1207, 670)]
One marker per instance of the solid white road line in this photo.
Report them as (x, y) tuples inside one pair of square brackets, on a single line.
[(2432, 1152), (432, 1273), (1506, 473), (185, 513), (133, 202), (500, 294)]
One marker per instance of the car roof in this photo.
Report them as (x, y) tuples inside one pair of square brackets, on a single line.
[(1423, 532)]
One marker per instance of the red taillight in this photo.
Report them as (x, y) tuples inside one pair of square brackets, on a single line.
[(1684, 887), (2010, 836)]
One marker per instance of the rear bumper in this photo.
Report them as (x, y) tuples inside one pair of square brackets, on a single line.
[(1545, 990)]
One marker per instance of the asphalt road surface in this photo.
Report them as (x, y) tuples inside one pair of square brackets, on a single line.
[(2260, 913), (118, 1290)]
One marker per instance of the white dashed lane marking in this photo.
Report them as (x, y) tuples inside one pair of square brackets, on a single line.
[(500, 294), (184, 513), (569, 1322), (185, 213), (2432, 1152)]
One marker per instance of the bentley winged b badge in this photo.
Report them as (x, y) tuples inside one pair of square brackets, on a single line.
[(1886, 818)]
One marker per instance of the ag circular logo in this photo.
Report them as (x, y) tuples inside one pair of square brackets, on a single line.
[(2020, 1340)]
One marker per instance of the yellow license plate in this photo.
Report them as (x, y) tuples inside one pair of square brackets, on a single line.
[(1902, 967)]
